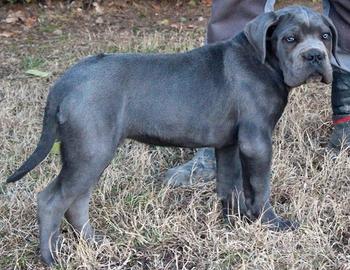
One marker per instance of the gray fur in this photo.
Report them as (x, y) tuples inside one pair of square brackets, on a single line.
[(228, 95)]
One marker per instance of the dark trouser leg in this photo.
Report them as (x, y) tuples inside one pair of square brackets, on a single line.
[(339, 13), (228, 18)]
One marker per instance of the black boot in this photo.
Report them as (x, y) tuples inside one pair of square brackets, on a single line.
[(340, 137)]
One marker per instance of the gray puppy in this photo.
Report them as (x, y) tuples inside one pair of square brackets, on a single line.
[(228, 95)]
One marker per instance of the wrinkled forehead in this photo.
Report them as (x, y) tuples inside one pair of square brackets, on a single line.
[(301, 20)]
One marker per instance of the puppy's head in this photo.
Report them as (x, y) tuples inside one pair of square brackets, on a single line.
[(302, 40)]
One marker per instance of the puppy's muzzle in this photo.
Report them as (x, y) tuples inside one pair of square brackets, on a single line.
[(314, 57), (318, 65)]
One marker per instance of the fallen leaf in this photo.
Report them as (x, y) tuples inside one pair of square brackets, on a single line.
[(57, 32), (56, 148), (207, 2), (99, 20), (193, 3), (15, 16), (118, 4), (164, 22), (7, 34), (48, 3), (156, 7), (98, 8), (29, 22), (38, 73)]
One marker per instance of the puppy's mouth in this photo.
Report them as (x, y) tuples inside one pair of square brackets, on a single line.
[(315, 78), (321, 74)]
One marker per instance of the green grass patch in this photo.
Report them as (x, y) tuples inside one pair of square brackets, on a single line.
[(32, 62), (48, 28)]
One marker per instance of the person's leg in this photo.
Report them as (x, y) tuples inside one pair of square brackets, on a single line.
[(339, 12), (228, 18)]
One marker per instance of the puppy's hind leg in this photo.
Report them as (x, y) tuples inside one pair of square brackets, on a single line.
[(78, 216), (69, 193), (87, 149), (78, 212)]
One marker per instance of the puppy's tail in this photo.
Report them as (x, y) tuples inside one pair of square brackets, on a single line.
[(47, 139)]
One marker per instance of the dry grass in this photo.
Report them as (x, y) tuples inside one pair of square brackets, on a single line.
[(147, 225)]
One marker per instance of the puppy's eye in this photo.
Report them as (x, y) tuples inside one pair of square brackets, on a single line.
[(326, 36), (290, 39)]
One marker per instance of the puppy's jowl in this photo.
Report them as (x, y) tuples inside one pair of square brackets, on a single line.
[(227, 95)]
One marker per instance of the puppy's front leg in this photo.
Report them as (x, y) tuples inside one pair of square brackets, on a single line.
[(255, 148), (229, 180)]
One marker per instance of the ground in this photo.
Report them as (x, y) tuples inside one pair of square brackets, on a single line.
[(146, 224)]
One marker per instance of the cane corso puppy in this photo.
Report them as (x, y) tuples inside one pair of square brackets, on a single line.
[(228, 95)]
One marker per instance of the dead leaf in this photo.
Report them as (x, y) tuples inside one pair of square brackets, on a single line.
[(207, 2), (15, 16), (57, 32), (56, 148), (48, 3), (99, 20), (164, 22), (38, 73), (192, 3), (30, 22), (98, 8), (7, 34), (118, 4), (156, 7), (22, 17)]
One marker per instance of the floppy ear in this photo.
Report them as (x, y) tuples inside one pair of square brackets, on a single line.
[(256, 31), (334, 37)]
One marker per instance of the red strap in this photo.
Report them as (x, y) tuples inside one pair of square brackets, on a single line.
[(341, 120)]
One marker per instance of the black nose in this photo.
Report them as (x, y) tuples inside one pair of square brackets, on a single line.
[(314, 56)]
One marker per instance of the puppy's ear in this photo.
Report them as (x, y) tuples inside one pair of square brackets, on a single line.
[(334, 37), (256, 32)]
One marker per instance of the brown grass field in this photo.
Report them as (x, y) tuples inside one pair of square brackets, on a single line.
[(146, 224)]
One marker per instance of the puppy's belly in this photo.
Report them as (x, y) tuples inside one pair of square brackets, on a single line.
[(193, 138), (174, 142)]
